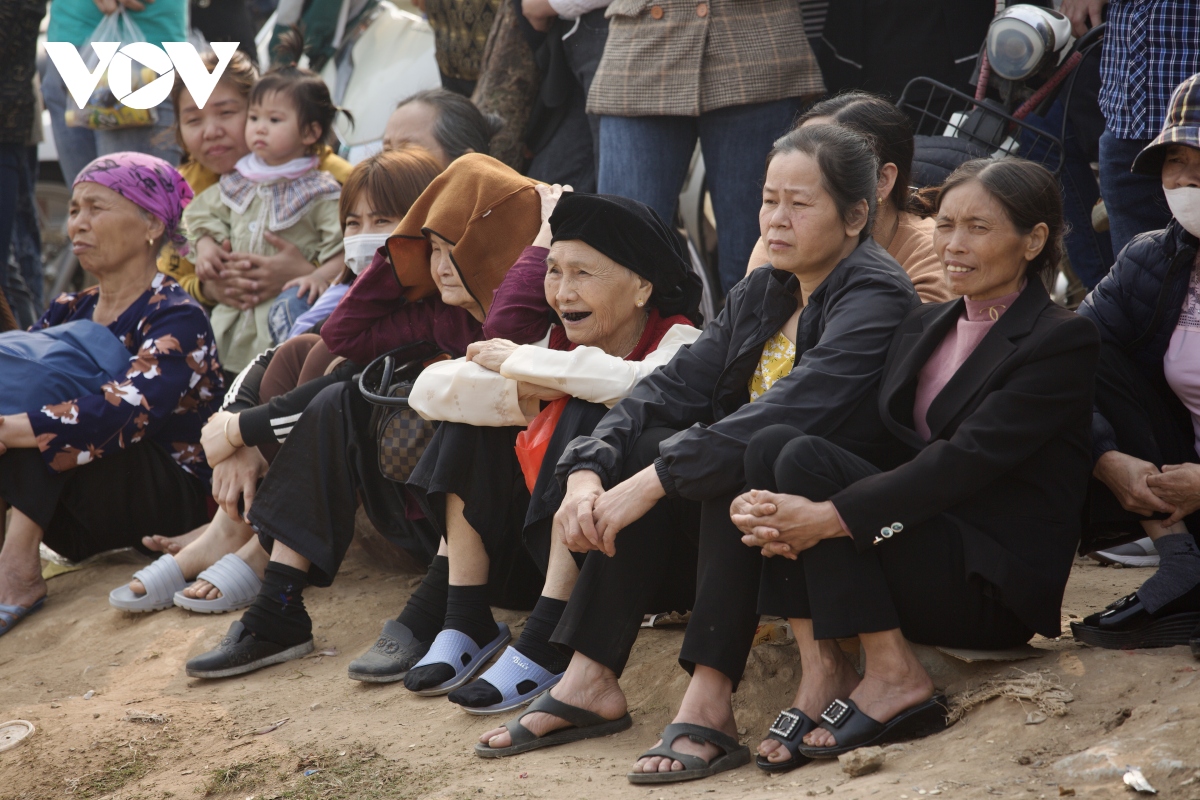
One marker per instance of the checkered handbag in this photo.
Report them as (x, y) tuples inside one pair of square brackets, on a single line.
[(401, 434)]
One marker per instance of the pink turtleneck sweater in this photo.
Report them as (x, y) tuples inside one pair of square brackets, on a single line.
[(960, 342)]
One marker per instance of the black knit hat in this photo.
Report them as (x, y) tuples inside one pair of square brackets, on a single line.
[(634, 236)]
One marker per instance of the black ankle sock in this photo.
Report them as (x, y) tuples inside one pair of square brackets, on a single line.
[(467, 611), (534, 641), (1178, 571), (277, 614), (426, 609), (534, 644)]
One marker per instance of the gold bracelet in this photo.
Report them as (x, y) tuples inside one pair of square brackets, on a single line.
[(228, 420)]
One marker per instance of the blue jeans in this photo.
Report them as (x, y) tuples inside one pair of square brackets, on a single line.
[(284, 311), (1135, 203), (78, 146), (1090, 251), (647, 158), (20, 240)]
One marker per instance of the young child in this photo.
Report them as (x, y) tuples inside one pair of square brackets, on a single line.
[(276, 188)]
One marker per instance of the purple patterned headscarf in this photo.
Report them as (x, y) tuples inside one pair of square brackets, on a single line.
[(146, 181)]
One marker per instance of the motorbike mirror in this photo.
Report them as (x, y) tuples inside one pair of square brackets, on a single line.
[(1022, 36)]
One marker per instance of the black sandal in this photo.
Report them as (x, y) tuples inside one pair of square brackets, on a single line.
[(733, 755), (854, 729), (789, 729)]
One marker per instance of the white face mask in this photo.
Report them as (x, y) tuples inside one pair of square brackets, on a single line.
[(360, 250), (1185, 207)]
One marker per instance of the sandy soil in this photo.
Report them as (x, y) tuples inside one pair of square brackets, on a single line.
[(367, 741)]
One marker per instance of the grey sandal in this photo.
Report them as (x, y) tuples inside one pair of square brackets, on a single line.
[(236, 580), (734, 754), (584, 725), (162, 579)]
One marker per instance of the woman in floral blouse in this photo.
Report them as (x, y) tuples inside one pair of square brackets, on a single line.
[(98, 472)]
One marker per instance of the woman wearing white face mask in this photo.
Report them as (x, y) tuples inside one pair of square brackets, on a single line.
[(269, 396), (1146, 422)]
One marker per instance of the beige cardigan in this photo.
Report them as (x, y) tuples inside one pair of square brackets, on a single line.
[(462, 391)]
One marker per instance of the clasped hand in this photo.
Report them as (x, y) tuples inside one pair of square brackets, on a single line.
[(590, 518), (783, 524)]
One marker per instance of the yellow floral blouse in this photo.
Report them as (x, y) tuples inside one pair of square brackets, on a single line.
[(777, 359)]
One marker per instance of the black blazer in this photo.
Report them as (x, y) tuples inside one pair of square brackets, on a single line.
[(842, 341), (1010, 452)]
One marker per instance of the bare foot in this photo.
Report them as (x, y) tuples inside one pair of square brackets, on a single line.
[(708, 702), (21, 581), (222, 536), (172, 544), (894, 681), (254, 556), (586, 684), (822, 681)]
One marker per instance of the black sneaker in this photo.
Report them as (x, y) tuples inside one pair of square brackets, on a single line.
[(1127, 625), (241, 652)]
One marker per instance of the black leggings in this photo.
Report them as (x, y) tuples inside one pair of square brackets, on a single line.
[(653, 570), (916, 582), (1151, 424), (105, 505), (328, 463)]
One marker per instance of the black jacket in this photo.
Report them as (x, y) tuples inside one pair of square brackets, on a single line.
[(841, 341), (1137, 306), (1009, 455)]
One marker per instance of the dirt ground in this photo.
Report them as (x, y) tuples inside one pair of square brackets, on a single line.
[(79, 669)]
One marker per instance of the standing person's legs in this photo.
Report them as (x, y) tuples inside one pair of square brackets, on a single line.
[(1135, 203), (646, 159), (735, 142), (10, 183), (76, 146)]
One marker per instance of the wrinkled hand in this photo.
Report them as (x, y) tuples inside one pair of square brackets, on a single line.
[(625, 504), (236, 478), (1178, 485), (532, 391), (311, 287), (491, 354), (539, 13), (550, 196), (268, 274), (783, 524), (217, 447), (1083, 14), (1127, 477), (573, 522)]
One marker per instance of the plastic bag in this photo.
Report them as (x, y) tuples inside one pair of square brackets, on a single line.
[(103, 112), (533, 441)]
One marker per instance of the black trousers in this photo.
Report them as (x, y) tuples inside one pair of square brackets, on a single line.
[(916, 582), (108, 504), (327, 465), (480, 465), (1151, 424), (653, 570)]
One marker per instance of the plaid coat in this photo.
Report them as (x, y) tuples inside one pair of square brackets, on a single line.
[(686, 57)]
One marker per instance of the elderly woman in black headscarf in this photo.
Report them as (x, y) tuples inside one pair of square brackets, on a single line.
[(620, 285)]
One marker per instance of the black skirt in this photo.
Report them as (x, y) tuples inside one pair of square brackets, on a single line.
[(479, 464), (105, 505)]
